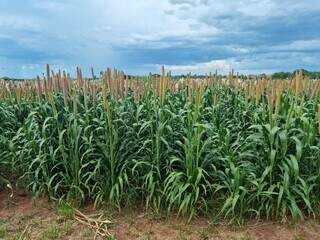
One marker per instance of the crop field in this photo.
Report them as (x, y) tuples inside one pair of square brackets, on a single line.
[(220, 147)]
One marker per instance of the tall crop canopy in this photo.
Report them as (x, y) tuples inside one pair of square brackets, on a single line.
[(230, 147)]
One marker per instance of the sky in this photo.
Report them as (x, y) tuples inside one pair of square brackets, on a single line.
[(138, 37)]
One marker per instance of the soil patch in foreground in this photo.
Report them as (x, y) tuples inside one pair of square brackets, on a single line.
[(22, 218)]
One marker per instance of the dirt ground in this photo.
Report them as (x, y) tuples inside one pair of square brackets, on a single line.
[(22, 218)]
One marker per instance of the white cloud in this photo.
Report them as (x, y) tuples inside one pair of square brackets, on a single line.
[(15, 22), (222, 66), (113, 33), (50, 5), (184, 36), (299, 45)]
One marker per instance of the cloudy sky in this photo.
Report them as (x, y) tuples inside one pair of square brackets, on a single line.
[(139, 36)]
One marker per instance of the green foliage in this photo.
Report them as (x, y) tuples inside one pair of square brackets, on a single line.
[(184, 153), (282, 75), (288, 75), (65, 210)]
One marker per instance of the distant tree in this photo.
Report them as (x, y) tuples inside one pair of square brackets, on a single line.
[(5, 78), (285, 75), (281, 75)]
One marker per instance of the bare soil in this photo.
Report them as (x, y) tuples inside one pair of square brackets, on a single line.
[(22, 218)]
